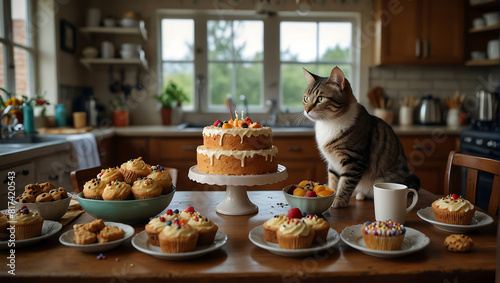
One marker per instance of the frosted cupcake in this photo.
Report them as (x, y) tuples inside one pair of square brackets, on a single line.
[(320, 227), (295, 234), (110, 175), (177, 237), (116, 190), (171, 214), (453, 209), (206, 229), (145, 188), (187, 213), (134, 169), (28, 224), (383, 235), (93, 189), (271, 227), (162, 177), (154, 228), (3, 227)]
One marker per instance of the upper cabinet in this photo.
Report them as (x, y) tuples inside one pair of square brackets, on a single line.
[(419, 32)]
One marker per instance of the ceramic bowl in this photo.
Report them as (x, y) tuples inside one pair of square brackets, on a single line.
[(309, 205), (129, 22), (53, 210), (125, 211)]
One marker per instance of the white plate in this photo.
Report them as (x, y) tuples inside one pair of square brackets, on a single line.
[(49, 228), (140, 242), (257, 237), (414, 241), (479, 220), (67, 239)]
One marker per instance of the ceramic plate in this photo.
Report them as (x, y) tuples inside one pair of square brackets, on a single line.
[(49, 228), (257, 237), (67, 239), (479, 220), (414, 241), (140, 242)]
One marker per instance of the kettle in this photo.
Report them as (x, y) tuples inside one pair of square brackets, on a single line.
[(428, 112), (486, 106)]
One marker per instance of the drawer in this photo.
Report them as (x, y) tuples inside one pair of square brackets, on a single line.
[(178, 148), (297, 148), (421, 147)]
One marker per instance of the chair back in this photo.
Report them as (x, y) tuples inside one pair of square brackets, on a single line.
[(474, 164), (80, 177)]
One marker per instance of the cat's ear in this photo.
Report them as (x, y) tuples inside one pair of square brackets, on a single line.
[(310, 77), (337, 77)]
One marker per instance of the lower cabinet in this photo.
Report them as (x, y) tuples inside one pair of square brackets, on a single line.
[(56, 168), (13, 179)]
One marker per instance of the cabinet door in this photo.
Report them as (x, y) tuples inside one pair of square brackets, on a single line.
[(130, 147), (56, 169), (24, 174)]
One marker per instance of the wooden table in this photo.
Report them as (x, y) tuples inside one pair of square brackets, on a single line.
[(241, 261)]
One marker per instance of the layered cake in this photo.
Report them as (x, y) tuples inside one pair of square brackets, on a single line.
[(237, 147)]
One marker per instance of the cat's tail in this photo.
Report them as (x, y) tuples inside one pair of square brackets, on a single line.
[(413, 182)]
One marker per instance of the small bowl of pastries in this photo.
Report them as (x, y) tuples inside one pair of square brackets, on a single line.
[(50, 202), (310, 197)]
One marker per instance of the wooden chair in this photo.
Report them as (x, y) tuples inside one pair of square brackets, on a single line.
[(473, 164), (80, 177)]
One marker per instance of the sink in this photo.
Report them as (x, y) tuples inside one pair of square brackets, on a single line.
[(28, 142)]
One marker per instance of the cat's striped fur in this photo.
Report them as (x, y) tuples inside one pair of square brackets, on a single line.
[(360, 149)]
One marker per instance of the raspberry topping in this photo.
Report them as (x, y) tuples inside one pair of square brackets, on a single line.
[(162, 219), (294, 213), (216, 123), (169, 212), (190, 209)]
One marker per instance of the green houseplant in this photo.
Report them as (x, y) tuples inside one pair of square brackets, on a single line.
[(172, 96)]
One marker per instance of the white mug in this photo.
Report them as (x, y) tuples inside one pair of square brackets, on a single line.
[(107, 50), (390, 201)]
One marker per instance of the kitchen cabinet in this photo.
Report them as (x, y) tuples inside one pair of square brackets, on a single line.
[(56, 168), (105, 150), (126, 148), (24, 174), (419, 32)]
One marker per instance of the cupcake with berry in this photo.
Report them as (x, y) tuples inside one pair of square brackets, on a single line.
[(295, 234), (187, 213), (4, 235), (177, 237), (92, 189), (134, 169), (206, 229), (116, 190), (154, 228), (28, 223), (110, 175), (320, 227), (272, 225), (383, 235), (453, 209), (146, 188), (162, 177)]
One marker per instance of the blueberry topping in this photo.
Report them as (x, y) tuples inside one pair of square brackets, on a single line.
[(244, 125), (176, 211), (220, 124), (169, 222), (304, 214)]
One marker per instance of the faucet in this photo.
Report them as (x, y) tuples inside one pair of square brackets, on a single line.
[(243, 99), (9, 130), (273, 118)]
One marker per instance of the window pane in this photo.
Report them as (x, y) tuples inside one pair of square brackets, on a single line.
[(335, 48), (326, 69), (248, 40), (219, 83), (298, 41), (2, 67), (249, 83), (181, 74), (177, 39), (19, 21), (293, 84), (219, 40), (21, 61)]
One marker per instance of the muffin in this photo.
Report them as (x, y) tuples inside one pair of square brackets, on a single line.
[(187, 213), (4, 233), (93, 189), (383, 235), (320, 227), (162, 177), (177, 237), (33, 190), (154, 228), (134, 169), (272, 225), (110, 175), (206, 229), (295, 234), (116, 190), (46, 187), (145, 188), (453, 209), (28, 223)]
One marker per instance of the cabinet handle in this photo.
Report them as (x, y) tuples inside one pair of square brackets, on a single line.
[(420, 147), (189, 147), (417, 48), (294, 148), (20, 172), (426, 48), (53, 177)]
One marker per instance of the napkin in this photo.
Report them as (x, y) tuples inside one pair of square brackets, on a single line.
[(84, 150)]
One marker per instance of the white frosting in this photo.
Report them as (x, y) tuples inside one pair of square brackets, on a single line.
[(236, 131), (269, 154)]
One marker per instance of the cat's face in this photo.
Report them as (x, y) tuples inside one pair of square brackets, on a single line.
[(326, 98)]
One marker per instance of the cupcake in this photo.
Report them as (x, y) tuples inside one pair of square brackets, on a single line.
[(295, 234), (383, 235), (134, 169), (154, 228), (162, 177), (453, 209), (206, 229), (4, 234), (93, 189), (187, 213), (177, 237), (145, 188), (110, 175), (320, 227), (28, 224), (272, 225), (116, 190)]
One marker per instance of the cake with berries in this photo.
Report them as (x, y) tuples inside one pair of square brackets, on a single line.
[(383, 235), (177, 237), (28, 223), (237, 147), (453, 209)]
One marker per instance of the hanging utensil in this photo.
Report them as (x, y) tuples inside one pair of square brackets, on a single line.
[(125, 88), (138, 84)]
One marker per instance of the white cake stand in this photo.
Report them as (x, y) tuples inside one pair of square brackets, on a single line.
[(236, 201)]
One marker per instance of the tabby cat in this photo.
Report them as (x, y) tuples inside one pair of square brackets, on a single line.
[(360, 149)]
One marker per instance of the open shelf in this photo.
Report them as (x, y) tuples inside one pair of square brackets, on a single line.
[(88, 62), (485, 29), (139, 31), (485, 62), (485, 4)]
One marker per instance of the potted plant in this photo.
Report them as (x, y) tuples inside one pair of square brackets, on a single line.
[(120, 113), (16, 111), (172, 96)]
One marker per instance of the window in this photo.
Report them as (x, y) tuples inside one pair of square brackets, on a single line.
[(16, 60), (262, 59)]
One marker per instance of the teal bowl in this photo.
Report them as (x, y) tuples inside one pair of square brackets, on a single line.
[(125, 211), (311, 206)]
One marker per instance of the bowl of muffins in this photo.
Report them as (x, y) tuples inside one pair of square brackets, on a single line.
[(50, 202), (310, 197), (131, 193)]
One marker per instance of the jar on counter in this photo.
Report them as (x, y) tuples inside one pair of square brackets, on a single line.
[(61, 116), (29, 119)]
